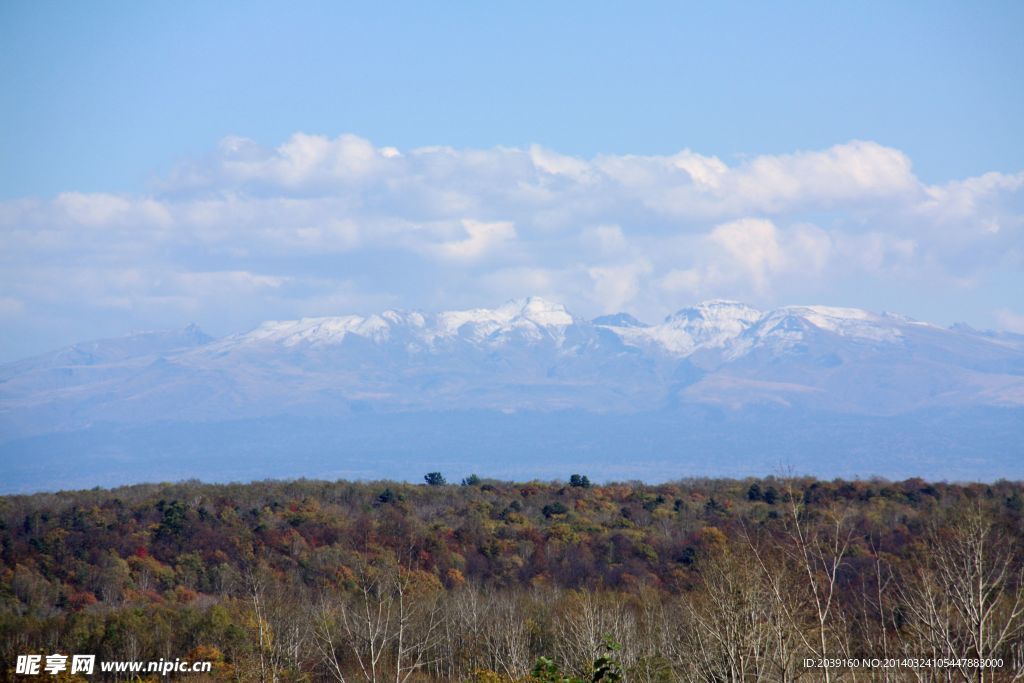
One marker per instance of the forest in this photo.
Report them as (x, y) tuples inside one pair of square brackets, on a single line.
[(774, 579)]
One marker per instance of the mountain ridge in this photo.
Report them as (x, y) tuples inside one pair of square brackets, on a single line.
[(816, 364), (538, 313), (528, 354)]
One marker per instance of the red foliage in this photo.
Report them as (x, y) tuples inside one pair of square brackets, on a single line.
[(80, 600)]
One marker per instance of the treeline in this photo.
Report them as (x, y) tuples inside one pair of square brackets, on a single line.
[(696, 580)]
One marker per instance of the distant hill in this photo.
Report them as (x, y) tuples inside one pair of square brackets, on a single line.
[(719, 388)]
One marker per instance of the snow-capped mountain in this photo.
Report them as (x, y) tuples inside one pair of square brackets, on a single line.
[(525, 357), (710, 325), (528, 320), (526, 354)]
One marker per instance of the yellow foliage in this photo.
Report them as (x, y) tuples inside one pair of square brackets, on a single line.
[(419, 582), (453, 578), (488, 676), (713, 538)]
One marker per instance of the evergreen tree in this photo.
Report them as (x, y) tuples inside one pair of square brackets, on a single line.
[(434, 479)]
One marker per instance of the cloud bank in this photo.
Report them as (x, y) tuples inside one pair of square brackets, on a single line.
[(321, 226)]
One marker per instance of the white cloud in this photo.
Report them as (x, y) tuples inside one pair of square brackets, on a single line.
[(305, 159), (843, 173), (106, 210), (752, 246), (315, 216), (615, 287), (745, 258), (234, 280), (704, 171), (559, 164), (1010, 321), (518, 282), (482, 239), (808, 248), (686, 283), (607, 240)]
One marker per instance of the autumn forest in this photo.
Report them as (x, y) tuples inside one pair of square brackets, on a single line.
[(776, 579)]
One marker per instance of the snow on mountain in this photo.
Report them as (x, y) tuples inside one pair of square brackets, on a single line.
[(357, 374), (727, 330), (735, 329), (845, 322), (711, 324), (791, 327), (314, 331), (531, 319), (323, 332), (534, 318), (526, 354), (731, 327)]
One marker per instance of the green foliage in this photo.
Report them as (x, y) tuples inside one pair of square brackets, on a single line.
[(714, 507), (434, 479), (471, 480), (387, 496), (556, 508), (546, 671), (174, 519), (605, 668), (579, 481)]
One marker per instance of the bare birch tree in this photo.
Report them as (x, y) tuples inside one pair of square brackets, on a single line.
[(966, 598), (805, 583), (735, 622), (388, 626)]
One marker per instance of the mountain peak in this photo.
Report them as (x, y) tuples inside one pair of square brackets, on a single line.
[(533, 316), (716, 309), (716, 312), (834, 312), (720, 327), (787, 326), (721, 303), (541, 311)]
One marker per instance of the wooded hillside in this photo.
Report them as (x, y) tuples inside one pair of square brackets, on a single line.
[(703, 580)]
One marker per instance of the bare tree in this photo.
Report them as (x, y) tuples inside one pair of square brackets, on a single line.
[(508, 636), (418, 620), (584, 620), (805, 583), (328, 638), (734, 622), (656, 624), (874, 612), (257, 583), (965, 596), (366, 621), (461, 649), (389, 625)]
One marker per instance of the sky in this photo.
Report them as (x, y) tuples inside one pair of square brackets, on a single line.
[(226, 163)]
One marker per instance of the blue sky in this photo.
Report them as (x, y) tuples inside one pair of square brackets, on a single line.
[(229, 162)]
